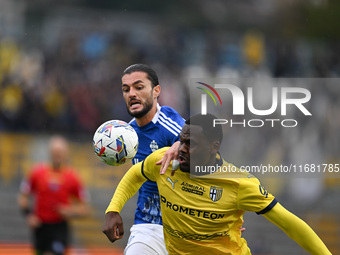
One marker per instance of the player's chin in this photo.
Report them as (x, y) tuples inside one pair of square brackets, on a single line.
[(184, 167), (136, 113)]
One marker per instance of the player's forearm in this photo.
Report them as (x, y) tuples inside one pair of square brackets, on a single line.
[(23, 202), (300, 232), (297, 229), (127, 187), (75, 210)]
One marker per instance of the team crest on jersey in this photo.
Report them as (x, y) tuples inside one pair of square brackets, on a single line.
[(153, 146), (215, 193)]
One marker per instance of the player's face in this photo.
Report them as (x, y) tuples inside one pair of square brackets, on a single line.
[(194, 149), (59, 152), (138, 93)]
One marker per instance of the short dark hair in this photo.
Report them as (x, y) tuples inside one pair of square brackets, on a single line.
[(151, 74), (206, 123)]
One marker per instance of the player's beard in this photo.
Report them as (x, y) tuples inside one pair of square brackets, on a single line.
[(147, 106), (185, 169)]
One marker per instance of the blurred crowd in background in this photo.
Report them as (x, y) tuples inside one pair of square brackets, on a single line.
[(60, 67)]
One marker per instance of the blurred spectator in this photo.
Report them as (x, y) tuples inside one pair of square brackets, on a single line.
[(66, 87)]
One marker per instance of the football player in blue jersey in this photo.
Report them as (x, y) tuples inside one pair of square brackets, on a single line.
[(157, 127)]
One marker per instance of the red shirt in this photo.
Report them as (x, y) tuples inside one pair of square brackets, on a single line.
[(53, 189)]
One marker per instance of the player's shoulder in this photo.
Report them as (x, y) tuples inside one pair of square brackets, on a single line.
[(37, 171), (230, 172), (133, 122), (168, 109), (158, 154), (38, 168), (170, 113), (70, 171), (248, 180), (168, 121)]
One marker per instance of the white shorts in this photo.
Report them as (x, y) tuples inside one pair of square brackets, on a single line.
[(146, 239)]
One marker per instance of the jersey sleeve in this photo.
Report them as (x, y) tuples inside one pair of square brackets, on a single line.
[(127, 187), (180, 121), (297, 229), (25, 186), (134, 178), (78, 189), (252, 196), (149, 168), (174, 121), (28, 185)]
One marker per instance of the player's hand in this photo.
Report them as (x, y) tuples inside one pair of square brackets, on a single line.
[(72, 211), (65, 211), (113, 226), (170, 154), (33, 221)]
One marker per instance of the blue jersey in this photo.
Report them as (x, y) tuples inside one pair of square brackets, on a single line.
[(162, 131)]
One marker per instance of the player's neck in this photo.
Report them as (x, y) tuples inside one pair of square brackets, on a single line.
[(147, 118), (56, 167)]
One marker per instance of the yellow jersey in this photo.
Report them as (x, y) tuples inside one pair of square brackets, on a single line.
[(204, 215)]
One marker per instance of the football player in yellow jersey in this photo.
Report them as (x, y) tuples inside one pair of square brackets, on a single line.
[(203, 215)]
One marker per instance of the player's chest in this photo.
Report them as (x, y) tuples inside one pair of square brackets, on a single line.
[(150, 142), (53, 184), (196, 194)]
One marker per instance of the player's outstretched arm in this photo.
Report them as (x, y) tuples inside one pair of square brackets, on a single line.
[(297, 229), (169, 155), (127, 187)]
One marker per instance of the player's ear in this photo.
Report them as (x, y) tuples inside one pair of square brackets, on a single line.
[(215, 146), (156, 91)]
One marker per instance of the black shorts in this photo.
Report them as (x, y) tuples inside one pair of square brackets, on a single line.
[(52, 237)]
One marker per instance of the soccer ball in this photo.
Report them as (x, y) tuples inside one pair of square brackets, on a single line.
[(115, 142)]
